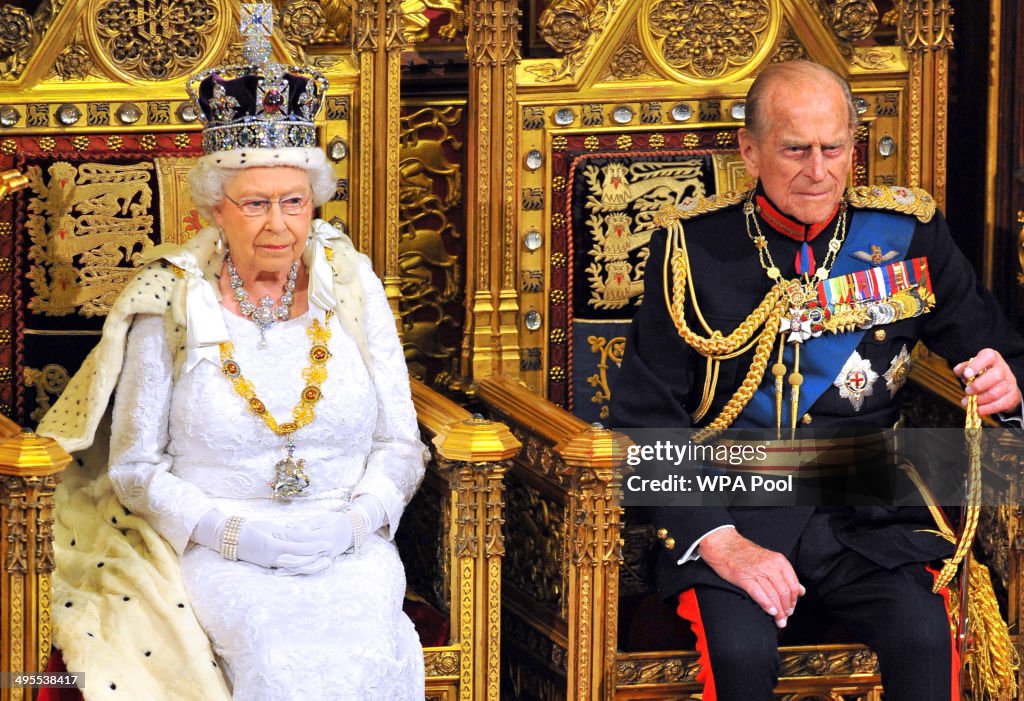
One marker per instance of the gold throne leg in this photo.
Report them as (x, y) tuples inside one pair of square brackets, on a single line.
[(29, 471)]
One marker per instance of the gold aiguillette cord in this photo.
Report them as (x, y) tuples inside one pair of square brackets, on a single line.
[(795, 380)]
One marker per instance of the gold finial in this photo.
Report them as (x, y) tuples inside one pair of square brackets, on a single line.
[(11, 181)]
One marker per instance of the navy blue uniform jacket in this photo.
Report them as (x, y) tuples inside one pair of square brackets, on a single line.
[(661, 378)]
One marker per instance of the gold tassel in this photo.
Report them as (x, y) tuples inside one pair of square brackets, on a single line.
[(991, 658)]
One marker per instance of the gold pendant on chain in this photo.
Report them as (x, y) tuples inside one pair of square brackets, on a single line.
[(290, 478)]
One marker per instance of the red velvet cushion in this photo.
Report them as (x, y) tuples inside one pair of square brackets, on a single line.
[(432, 625)]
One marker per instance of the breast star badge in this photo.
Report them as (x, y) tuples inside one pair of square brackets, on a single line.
[(856, 380), (899, 369)]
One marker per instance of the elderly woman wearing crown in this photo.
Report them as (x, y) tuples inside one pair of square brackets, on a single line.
[(236, 541)]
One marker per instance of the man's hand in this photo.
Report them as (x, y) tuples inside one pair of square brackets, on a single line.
[(993, 382), (765, 575)]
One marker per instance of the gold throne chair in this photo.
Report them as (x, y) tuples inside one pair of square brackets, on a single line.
[(100, 140), (628, 116)]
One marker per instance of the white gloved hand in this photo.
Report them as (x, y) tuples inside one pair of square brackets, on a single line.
[(334, 527), (268, 544), (337, 526)]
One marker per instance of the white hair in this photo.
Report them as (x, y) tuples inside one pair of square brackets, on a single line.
[(213, 172)]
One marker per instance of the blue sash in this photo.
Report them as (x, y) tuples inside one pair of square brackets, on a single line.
[(823, 357)]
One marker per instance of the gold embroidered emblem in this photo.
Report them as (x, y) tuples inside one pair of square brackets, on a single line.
[(50, 380), (621, 200), (695, 207), (907, 200), (89, 226), (876, 257), (179, 219), (607, 350)]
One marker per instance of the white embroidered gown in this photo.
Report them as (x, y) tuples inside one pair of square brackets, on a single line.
[(180, 447)]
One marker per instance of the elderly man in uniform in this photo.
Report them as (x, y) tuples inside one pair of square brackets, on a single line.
[(773, 258)]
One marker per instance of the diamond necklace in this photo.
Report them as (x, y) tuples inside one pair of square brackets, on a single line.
[(265, 315)]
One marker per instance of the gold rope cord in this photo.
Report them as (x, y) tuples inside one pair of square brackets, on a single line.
[(714, 363), (992, 659), (750, 383), (717, 347), (715, 344), (972, 505), (710, 383)]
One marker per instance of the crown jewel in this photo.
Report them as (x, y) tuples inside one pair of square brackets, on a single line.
[(259, 104)]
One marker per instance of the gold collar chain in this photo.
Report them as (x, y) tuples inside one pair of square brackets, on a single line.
[(796, 295), (290, 479), (765, 256), (758, 330)]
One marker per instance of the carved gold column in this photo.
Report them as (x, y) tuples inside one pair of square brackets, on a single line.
[(593, 459), (475, 454), (378, 45), (29, 465), (927, 34), (491, 342)]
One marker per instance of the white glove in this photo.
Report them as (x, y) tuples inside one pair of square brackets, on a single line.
[(338, 528), (335, 527), (268, 544)]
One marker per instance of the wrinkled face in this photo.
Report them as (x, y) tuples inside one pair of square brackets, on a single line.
[(804, 156), (271, 242)]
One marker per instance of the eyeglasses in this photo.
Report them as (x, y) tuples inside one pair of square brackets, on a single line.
[(260, 208)]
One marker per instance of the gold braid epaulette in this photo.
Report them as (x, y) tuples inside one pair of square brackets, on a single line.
[(694, 207), (907, 200)]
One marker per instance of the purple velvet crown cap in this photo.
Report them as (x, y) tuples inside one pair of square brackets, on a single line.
[(250, 100), (260, 106)]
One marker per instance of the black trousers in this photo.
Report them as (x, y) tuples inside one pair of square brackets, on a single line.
[(894, 612)]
